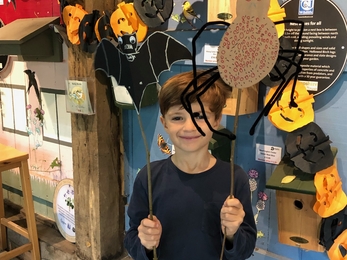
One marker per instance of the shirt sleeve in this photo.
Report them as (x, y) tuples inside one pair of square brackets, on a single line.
[(245, 237), (137, 210)]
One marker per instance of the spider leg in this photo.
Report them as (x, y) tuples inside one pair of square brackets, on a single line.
[(185, 96), (293, 61)]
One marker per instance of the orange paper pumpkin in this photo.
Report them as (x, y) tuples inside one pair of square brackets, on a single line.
[(276, 14), (289, 118), (72, 16), (339, 246), (124, 20), (103, 27), (329, 194)]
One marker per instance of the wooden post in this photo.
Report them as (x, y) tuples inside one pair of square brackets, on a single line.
[(97, 161)]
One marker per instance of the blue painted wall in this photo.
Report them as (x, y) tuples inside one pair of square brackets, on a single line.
[(330, 114)]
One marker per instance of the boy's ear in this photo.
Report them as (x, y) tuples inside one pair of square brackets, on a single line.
[(218, 120), (162, 120)]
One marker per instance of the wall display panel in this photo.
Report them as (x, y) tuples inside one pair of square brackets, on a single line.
[(323, 41)]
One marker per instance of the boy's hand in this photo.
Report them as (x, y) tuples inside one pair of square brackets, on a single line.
[(150, 232), (231, 215)]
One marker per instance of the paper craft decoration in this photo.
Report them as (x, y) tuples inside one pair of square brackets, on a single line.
[(86, 32), (134, 68), (33, 83), (288, 118), (291, 69), (249, 47), (284, 65), (276, 13), (330, 198), (103, 27), (125, 20), (189, 13), (163, 146), (332, 227), (72, 17), (338, 250), (154, 12), (309, 148)]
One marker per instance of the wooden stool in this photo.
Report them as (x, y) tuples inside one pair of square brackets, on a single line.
[(11, 158)]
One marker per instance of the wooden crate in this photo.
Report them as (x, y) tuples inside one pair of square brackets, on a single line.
[(298, 224)]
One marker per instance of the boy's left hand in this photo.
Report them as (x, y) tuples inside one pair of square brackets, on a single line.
[(231, 215)]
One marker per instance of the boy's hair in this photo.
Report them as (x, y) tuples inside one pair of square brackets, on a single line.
[(215, 96)]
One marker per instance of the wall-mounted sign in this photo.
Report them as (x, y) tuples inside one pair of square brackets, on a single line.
[(77, 99), (64, 209), (268, 153), (323, 42)]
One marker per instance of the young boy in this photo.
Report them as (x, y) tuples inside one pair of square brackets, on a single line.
[(192, 207)]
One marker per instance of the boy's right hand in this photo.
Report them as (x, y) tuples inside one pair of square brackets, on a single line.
[(150, 232)]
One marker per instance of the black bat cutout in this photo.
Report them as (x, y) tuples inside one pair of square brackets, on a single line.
[(136, 67), (33, 82), (309, 148), (86, 32)]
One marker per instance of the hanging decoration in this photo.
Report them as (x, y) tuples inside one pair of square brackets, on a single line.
[(86, 32), (154, 12), (125, 20), (103, 27), (135, 67), (249, 47), (72, 17), (285, 117)]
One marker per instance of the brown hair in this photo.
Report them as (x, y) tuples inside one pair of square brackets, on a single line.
[(171, 91)]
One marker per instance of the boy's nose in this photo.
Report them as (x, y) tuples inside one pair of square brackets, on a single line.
[(189, 125)]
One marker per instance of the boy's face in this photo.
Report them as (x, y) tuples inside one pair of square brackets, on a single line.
[(182, 131)]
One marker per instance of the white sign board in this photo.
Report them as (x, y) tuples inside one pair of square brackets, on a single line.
[(64, 209), (268, 153)]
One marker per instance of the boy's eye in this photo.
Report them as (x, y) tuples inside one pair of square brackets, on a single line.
[(198, 115), (177, 118)]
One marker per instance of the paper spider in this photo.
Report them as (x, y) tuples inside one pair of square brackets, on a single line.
[(287, 67), (193, 88)]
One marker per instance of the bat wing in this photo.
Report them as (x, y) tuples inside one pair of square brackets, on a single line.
[(107, 59), (164, 51), (156, 54)]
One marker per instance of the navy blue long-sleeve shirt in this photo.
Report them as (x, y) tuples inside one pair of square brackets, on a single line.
[(188, 207)]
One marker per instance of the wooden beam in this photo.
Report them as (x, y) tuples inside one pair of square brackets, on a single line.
[(97, 161)]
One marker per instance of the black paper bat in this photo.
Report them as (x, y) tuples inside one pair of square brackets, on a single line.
[(136, 67), (309, 148), (33, 82)]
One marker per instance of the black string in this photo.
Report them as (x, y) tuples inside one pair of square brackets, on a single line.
[(200, 90), (285, 80)]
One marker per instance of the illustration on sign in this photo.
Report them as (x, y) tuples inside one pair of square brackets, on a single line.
[(64, 209)]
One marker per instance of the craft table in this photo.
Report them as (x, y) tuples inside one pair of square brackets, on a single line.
[(10, 158)]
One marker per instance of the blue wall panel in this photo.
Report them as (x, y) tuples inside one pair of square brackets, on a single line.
[(330, 115)]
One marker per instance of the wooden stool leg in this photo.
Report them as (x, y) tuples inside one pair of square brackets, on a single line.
[(3, 237), (29, 209)]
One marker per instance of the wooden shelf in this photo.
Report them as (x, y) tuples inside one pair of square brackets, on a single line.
[(31, 39)]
